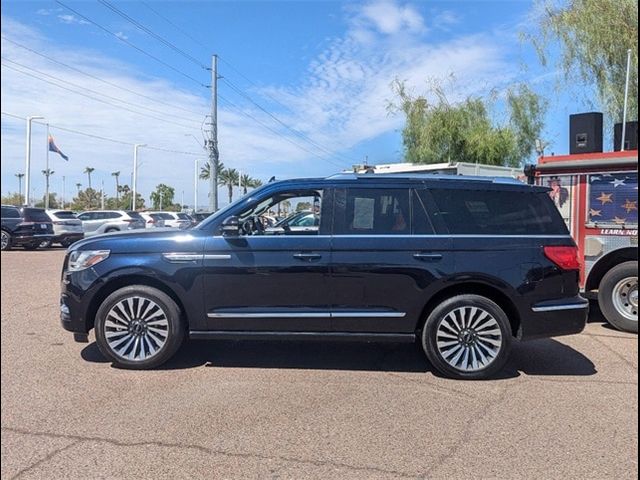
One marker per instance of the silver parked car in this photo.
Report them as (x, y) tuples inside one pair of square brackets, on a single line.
[(153, 220), (67, 228), (175, 219), (105, 221)]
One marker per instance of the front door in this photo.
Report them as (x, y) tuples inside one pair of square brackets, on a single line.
[(270, 279)]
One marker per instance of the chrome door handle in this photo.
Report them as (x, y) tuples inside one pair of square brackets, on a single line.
[(427, 257), (307, 256)]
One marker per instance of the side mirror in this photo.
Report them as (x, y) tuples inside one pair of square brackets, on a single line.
[(230, 227)]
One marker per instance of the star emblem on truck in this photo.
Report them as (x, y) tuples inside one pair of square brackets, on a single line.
[(619, 221), (605, 198), (630, 205), (595, 213)]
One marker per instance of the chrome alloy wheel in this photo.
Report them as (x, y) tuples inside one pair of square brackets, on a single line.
[(5, 240), (136, 328), (625, 298), (469, 339)]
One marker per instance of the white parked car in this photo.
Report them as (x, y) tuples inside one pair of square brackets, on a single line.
[(96, 222), (175, 219), (152, 220), (67, 228)]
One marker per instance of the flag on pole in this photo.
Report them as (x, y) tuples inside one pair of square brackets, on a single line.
[(54, 148)]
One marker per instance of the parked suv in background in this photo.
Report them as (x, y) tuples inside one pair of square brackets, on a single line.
[(26, 227), (175, 219), (152, 220), (464, 265), (96, 222), (67, 228)]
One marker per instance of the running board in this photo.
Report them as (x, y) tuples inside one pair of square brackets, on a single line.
[(332, 336)]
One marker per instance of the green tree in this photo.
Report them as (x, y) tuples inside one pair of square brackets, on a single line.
[(303, 206), (53, 201), (229, 177), (12, 199), (85, 199), (89, 171), (117, 177), (593, 36), (162, 197), (440, 131)]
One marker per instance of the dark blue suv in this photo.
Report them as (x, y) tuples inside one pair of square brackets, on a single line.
[(464, 265)]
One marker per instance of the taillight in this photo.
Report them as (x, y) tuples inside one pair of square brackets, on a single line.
[(564, 257)]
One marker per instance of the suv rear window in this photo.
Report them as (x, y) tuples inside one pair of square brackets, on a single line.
[(65, 215), (35, 215), (498, 212), (135, 215), (184, 216), (368, 211)]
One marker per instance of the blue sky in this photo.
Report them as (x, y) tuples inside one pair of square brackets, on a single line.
[(323, 69)]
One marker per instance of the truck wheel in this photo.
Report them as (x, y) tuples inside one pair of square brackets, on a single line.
[(138, 327), (618, 296), (468, 337), (6, 241)]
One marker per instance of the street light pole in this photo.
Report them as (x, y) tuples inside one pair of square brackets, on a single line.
[(27, 174), (135, 174)]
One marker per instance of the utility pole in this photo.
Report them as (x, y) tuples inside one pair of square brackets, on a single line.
[(134, 181), (47, 173), (195, 187), (27, 175), (212, 143), (626, 96)]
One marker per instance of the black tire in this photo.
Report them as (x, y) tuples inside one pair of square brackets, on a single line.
[(111, 230), (175, 328), (614, 296), (6, 241), (474, 338), (31, 246), (45, 244), (66, 243)]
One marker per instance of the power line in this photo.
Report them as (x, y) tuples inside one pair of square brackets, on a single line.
[(185, 33), (148, 31), (161, 119), (95, 77), (119, 37), (99, 137), (264, 125), (294, 131)]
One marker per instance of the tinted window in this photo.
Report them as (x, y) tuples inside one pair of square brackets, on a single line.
[(86, 216), (8, 212), (420, 221), (35, 215), (372, 212), (184, 216), (135, 215), (165, 216), (498, 212), (110, 215), (65, 215)]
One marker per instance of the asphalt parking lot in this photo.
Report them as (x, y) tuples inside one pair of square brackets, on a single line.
[(564, 408)]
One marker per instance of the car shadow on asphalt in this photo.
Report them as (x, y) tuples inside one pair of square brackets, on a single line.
[(538, 357)]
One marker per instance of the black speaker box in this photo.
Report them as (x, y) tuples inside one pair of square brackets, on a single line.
[(631, 134), (585, 133)]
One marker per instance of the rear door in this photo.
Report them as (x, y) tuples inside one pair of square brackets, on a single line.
[(90, 221), (386, 259), (10, 218)]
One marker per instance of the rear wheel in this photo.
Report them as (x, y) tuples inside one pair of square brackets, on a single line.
[(45, 244), (111, 230), (31, 246), (66, 243), (6, 240), (467, 336), (618, 296), (138, 327)]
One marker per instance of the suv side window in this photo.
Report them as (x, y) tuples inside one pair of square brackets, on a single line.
[(420, 221), (372, 211), (86, 216), (498, 212), (8, 212)]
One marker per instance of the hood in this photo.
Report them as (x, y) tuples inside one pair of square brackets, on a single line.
[(156, 240)]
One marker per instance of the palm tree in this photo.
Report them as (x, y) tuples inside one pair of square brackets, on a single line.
[(117, 175), (88, 171), (20, 176), (229, 177), (205, 171), (47, 173), (78, 185)]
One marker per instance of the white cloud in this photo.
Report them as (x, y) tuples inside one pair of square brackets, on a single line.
[(445, 19), (389, 18), (122, 35), (71, 19)]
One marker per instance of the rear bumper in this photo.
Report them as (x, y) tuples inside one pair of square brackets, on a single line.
[(555, 318), (30, 239)]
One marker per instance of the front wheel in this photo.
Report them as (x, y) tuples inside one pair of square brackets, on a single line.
[(138, 327), (468, 337), (618, 296)]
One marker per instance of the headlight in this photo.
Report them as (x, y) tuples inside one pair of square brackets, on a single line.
[(81, 259)]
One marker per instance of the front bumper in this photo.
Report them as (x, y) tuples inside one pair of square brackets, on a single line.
[(554, 318)]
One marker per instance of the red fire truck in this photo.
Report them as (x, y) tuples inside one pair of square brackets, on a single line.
[(597, 194)]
